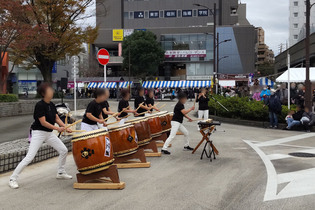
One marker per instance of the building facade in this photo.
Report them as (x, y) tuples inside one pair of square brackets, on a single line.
[(185, 32), (264, 54), (297, 20)]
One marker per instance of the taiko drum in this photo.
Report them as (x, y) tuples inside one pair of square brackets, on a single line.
[(143, 131), (92, 151)]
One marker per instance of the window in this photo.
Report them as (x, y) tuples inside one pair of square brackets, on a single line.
[(170, 13), (179, 13), (296, 3), (138, 14), (154, 14), (146, 14), (131, 15), (295, 25), (187, 13), (195, 13), (161, 14), (295, 14), (295, 36), (203, 12), (126, 15)]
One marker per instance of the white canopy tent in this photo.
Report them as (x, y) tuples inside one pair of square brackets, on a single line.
[(296, 75)]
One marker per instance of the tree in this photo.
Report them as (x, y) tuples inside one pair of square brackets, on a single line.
[(266, 69), (146, 53), (55, 32), (10, 30)]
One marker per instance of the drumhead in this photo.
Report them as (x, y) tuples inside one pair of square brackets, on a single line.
[(120, 127), (157, 114), (136, 120), (86, 135)]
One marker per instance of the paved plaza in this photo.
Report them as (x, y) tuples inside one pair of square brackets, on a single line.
[(252, 171)]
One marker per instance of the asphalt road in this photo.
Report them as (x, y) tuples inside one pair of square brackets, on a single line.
[(253, 171), (13, 128)]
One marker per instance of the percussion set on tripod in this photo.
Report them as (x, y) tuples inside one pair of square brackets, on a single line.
[(98, 154)]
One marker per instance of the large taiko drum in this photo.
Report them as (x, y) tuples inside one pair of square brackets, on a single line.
[(92, 151), (123, 138), (143, 131), (155, 125)]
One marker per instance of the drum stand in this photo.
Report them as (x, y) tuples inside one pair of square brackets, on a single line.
[(98, 181), (161, 139), (151, 146), (125, 161), (206, 133)]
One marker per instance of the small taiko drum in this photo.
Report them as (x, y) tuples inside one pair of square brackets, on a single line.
[(123, 138), (143, 131), (165, 119), (155, 125), (92, 151)]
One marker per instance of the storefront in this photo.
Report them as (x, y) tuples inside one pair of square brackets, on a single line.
[(188, 56)]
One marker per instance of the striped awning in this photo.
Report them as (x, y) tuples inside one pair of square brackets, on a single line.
[(108, 85), (176, 84), (266, 81), (124, 84)]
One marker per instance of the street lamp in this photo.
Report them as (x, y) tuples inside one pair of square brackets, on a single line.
[(218, 53), (308, 84), (213, 12)]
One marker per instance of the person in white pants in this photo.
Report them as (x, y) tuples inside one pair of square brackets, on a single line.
[(177, 123), (93, 113), (45, 116), (203, 100)]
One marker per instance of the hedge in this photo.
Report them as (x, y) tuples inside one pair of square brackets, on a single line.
[(244, 108), (8, 98)]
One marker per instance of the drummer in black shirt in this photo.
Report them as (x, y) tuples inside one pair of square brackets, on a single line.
[(106, 108), (45, 116), (124, 104), (150, 100), (177, 123), (93, 112), (140, 100)]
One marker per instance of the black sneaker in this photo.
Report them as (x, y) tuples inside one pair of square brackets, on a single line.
[(188, 148), (165, 152)]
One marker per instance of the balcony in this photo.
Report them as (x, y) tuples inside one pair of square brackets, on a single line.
[(116, 60)]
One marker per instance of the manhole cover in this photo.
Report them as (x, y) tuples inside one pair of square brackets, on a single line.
[(302, 154)]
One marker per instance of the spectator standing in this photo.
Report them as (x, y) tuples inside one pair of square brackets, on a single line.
[(274, 105)]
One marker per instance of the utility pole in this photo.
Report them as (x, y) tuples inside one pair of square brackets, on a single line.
[(308, 84)]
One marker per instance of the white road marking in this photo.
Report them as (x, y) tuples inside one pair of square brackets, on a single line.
[(278, 156), (300, 183), (285, 140)]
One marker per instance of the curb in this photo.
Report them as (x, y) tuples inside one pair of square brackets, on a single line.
[(9, 160)]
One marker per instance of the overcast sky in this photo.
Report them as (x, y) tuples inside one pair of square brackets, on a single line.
[(273, 16)]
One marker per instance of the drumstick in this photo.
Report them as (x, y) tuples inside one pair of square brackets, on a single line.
[(66, 120), (116, 114), (199, 119), (157, 104), (139, 106), (76, 122), (162, 106), (143, 112), (77, 131)]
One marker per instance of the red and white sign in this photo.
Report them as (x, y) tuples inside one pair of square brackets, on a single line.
[(103, 57), (185, 53)]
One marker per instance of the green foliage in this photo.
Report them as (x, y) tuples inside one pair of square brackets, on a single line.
[(146, 53), (243, 108), (8, 98)]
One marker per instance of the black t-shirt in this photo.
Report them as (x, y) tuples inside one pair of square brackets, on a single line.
[(203, 103), (42, 109), (138, 101), (105, 104), (149, 101), (123, 104), (178, 115), (95, 109)]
